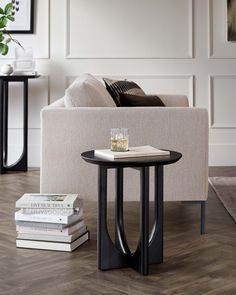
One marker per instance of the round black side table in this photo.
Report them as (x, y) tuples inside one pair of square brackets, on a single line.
[(149, 249)]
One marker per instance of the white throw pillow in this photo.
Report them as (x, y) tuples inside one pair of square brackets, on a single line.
[(87, 91)]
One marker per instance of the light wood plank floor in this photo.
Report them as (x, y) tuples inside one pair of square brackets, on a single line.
[(193, 264)]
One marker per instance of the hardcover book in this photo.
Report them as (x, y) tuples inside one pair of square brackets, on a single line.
[(48, 228), (133, 152), (56, 246), (49, 201), (25, 73), (51, 237), (53, 211), (46, 218)]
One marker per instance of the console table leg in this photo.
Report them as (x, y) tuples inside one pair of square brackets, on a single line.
[(25, 140), (156, 239), (1, 127), (22, 163), (5, 123)]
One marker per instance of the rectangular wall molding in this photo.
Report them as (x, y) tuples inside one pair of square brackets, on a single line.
[(222, 105), (222, 154), (177, 42)]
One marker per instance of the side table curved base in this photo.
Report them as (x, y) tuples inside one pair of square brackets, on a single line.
[(149, 250)]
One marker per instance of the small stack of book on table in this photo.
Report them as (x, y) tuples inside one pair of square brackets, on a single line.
[(50, 222)]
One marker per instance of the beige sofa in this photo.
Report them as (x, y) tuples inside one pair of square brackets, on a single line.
[(67, 132)]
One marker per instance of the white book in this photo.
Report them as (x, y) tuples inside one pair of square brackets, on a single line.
[(59, 230), (56, 246), (54, 211), (25, 73), (49, 201), (46, 218), (133, 152), (41, 225), (52, 238)]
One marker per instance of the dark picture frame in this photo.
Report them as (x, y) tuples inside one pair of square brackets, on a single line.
[(29, 27), (231, 20)]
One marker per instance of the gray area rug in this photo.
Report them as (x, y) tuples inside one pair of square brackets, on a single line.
[(225, 189)]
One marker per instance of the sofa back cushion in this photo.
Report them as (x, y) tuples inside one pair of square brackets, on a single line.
[(87, 91)]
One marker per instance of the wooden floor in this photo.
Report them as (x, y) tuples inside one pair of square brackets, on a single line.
[(193, 264)]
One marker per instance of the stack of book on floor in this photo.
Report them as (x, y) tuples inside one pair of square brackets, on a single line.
[(50, 222)]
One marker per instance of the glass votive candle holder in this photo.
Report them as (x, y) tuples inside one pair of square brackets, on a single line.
[(119, 139)]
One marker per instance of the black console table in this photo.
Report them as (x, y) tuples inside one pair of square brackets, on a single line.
[(22, 163), (149, 249)]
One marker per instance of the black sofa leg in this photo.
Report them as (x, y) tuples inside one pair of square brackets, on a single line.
[(203, 217)]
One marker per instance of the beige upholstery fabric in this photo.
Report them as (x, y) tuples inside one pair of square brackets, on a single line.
[(168, 100), (87, 91), (58, 103), (174, 100), (67, 132)]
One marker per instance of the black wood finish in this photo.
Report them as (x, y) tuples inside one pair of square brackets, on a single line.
[(156, 238), (141, 255), (5, 122), (203, 214), (17, 78), (120, 239), (132, 162), (203, 217), (22, 163), (149, 250), (1, 127), (108, 255)]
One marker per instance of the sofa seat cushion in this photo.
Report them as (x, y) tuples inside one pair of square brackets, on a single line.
[(130, 100), (115, 87), (87, 91)]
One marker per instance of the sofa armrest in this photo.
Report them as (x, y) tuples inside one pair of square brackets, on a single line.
[(67, 132)]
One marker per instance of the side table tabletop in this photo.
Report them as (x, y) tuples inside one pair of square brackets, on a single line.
[(149, 249), (22, 163)]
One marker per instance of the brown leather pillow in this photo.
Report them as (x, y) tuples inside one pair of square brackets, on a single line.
[(130, 100)]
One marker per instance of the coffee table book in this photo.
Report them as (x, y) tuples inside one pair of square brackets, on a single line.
[(38, 236), (48, 228), (49, 218), (133, 152), (55, 246), (49, 201)]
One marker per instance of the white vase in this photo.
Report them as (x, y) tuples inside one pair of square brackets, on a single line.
[(6, 69)]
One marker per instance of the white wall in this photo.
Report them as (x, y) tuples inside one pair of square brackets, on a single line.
[(167, 46)]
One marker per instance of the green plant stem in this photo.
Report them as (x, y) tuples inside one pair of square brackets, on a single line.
[(13, 40)]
